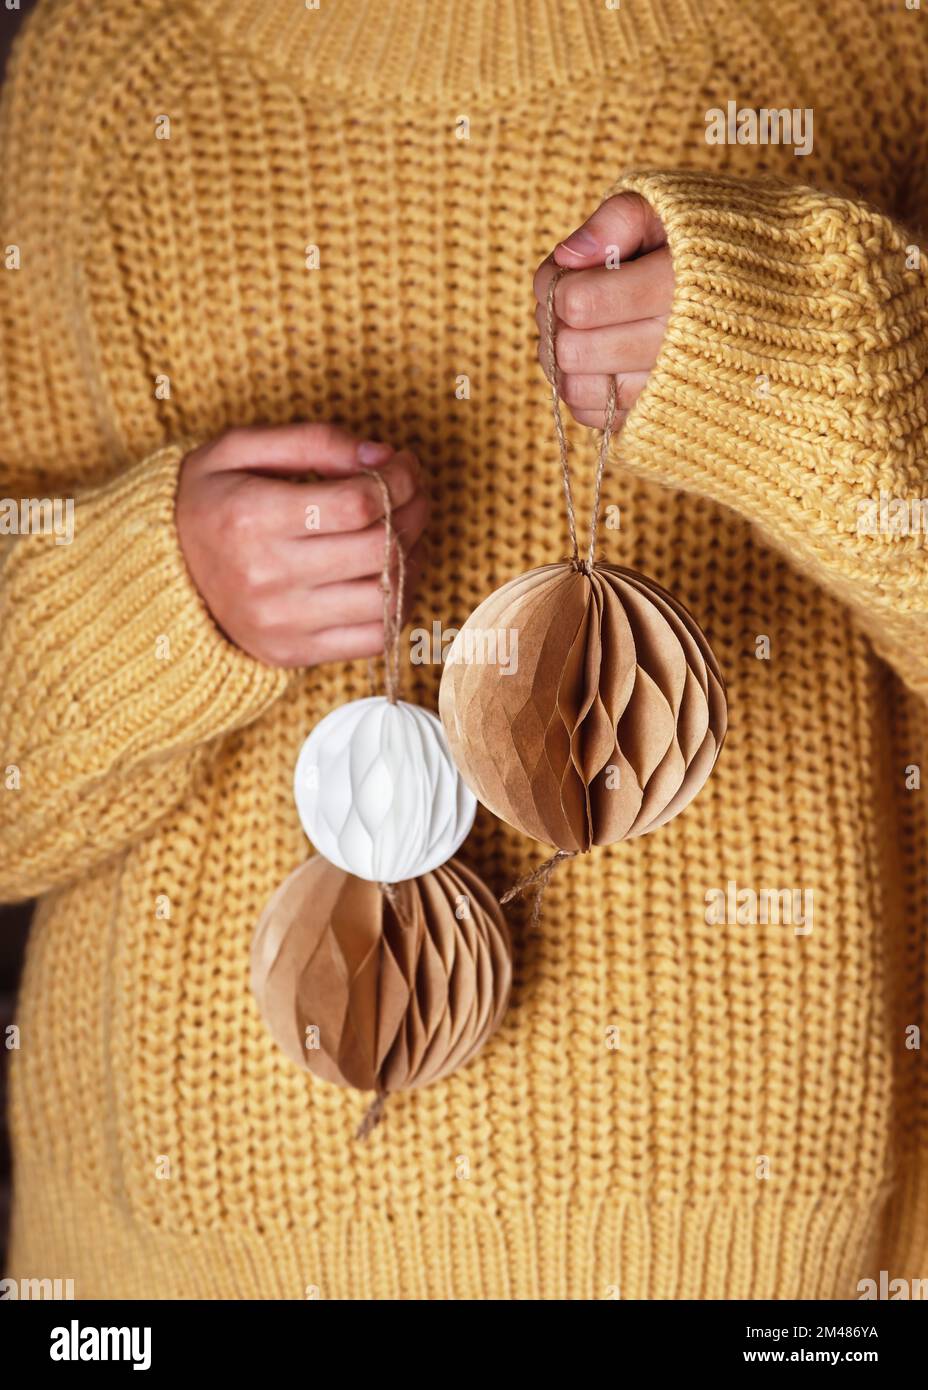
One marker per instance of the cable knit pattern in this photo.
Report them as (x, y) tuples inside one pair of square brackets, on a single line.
[(672, 1107)]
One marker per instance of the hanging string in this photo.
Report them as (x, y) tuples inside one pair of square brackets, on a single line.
[(392, 604), (372, 1117), (538, 879), (392, 638), (585, 566)]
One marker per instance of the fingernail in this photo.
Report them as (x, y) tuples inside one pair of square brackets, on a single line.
[(371, 452), (580, 244)]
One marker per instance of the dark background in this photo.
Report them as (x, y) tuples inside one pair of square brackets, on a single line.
[(14, 921)]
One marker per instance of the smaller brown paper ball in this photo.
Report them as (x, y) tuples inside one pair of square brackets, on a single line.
[(400, 996), (611, 715)]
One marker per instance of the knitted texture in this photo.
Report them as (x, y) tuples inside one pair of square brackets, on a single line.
[(673, 1106)]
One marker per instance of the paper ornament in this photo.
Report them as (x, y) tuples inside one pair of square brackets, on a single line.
[(609, 712), (608, 717), (377, 994), (378, 793), (377, 964)]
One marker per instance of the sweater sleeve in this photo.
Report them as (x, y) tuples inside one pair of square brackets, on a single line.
[(792, 387), (116, 680)]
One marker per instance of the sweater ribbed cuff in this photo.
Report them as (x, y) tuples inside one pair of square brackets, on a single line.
[(790, 385), (127, 654)]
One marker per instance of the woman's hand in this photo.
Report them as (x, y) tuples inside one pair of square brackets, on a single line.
[(291, 570), (609, 320)]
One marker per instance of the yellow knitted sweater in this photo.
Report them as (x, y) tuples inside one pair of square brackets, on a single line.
[(674, 1106)]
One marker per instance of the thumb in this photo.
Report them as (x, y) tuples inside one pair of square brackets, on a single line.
[(624, 225)]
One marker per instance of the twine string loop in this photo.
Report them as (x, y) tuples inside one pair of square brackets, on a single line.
[(371, 1117), (538, 879), (584, 566), (392, 602)]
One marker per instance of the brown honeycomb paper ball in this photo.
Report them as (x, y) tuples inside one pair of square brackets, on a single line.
[(400, 996), (610, 721)]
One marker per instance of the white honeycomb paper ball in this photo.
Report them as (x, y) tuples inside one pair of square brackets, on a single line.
[(378, 793)]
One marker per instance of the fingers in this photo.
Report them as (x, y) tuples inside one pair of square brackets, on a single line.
[(307, 510), (623, 226), (332, 622), (596, 419), (594, 298), (621, 348), (351, 504), (291, 570), (356, 602), (293, 624), (347, 603), (592, 392), (611, 312), (356, 554), (341, 644), (299, 448), (313, 608), (291, 646)]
